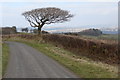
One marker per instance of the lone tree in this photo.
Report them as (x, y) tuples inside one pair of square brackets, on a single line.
[(41, 16)]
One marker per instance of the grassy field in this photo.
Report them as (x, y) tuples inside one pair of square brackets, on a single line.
[(102, 37), (82, 66), (0, 60), (5, 56)]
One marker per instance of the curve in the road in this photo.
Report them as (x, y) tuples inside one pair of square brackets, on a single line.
[(27, 62)]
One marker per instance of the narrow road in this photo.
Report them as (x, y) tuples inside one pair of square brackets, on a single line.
[(27, 62)]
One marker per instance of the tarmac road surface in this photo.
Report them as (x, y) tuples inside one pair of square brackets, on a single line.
[(27, 62)]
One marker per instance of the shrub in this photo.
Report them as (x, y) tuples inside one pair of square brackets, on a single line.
[(95, 50)]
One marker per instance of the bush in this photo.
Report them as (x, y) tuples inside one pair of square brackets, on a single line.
[(93, 49), (98, 51)]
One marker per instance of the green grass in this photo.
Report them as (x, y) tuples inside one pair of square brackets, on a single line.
[(23, 33), (0, 60), (5, 56), (81, 66), (102, 37)]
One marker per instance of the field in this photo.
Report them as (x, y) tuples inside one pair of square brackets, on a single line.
[(109, 37), (0, 59), (60, 48)]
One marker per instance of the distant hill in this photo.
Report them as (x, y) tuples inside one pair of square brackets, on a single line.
[(92, 32)]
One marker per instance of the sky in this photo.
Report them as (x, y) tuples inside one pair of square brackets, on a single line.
[(87, 13)]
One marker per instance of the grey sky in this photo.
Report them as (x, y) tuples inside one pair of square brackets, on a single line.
[(86, 13)]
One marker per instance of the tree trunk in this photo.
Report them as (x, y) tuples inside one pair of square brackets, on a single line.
[(39, 31)]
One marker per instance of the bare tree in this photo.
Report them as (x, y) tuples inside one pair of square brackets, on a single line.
[(41, 16)]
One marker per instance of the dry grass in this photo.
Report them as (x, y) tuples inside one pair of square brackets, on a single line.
[(82, 66), (96, 50), (81, 59)]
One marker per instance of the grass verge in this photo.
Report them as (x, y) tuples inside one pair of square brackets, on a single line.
[(0, 59), (81, 66), (5, 56)]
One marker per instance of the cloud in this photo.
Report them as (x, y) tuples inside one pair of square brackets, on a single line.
[(85, 13)]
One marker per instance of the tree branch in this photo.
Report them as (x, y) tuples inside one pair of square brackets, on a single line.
[(41, 16)]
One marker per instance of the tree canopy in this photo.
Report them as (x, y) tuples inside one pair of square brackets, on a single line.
[(39, 17)]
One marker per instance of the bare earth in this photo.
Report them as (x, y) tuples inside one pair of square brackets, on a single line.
[(27, 62)]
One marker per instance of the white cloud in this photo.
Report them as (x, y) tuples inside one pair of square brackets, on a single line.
[(85, 13)]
